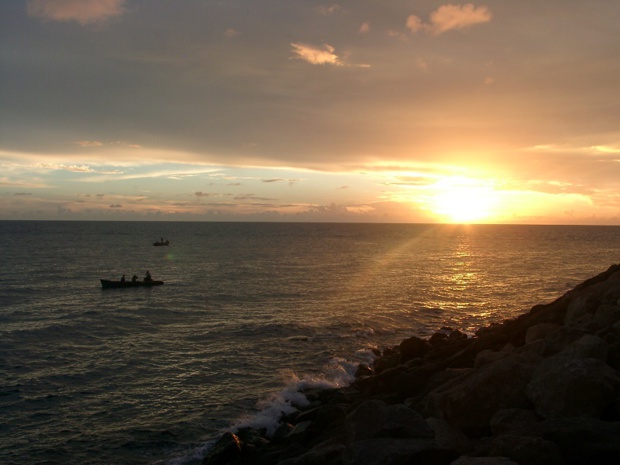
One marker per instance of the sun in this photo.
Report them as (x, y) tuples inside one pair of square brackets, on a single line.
[(462, 202)]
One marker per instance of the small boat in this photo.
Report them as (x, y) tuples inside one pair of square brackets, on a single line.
[(108, 284), (160, 243)]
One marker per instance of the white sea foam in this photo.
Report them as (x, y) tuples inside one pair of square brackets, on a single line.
[(336, 374)]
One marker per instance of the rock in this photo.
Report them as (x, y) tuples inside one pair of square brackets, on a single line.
[(464, 460), (540, 331), (527, 450), (363, 370), (374, 419), (323, 454), (386, 451), (588, 346), (414, 347), (564, 386), (607, 314), (471, 401), (487, 356), (556, 341), (224, 451), (581, 440), (449, 437), (510, 419)]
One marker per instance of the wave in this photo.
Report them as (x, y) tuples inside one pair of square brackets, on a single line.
[(338, 373)]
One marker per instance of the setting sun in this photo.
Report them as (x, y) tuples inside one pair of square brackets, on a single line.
[(462, 201)]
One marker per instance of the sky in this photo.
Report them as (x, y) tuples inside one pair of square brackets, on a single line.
[(502, 111)]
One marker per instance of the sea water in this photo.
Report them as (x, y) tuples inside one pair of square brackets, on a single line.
[(249, 314)]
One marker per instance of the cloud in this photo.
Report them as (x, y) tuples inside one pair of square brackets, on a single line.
[(89, 143), (315, 55), (83, 11), (327, 10), (231, 33), (450, 17), (364, 28)]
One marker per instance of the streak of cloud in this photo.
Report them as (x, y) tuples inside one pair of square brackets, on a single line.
[(83, 11)]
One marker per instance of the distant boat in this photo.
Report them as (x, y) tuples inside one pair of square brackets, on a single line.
[(162, 242), (108, 284)]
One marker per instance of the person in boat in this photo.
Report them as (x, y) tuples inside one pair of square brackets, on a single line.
[(134, 278), (123, 278), (148, 276)]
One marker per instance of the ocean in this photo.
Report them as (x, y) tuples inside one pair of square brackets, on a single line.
[(249, 314)]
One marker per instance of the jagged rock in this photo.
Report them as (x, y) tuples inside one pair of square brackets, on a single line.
[(387, 451), (587, 299), (580, 440), (363, 370), (487, 356), (556, 341), (414, 347), (565, 386), (374, 419), (464, 460), (386, 362), (608, 314), (448, 437), (510, 419), (323, 454), (540, 331), (224, 451), (526, 450), (588, 346), (471, 401)]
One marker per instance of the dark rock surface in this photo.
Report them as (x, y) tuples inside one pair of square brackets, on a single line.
[(543, 388)]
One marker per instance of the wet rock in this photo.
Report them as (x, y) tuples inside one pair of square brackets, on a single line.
[(226, 450), (414, 347)]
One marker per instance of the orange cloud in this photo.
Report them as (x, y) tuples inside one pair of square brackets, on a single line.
[(315, 55), (450, 17), (82, 11)]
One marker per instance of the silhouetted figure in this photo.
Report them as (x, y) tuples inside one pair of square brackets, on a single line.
[(148, 276), (123, 279), (134, 278)]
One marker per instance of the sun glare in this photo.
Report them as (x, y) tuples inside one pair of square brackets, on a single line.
[(462, 202)]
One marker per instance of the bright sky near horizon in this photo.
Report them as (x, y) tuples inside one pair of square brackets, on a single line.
[(501, 111)]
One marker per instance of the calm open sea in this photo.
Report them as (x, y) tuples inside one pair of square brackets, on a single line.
[(249, 313)]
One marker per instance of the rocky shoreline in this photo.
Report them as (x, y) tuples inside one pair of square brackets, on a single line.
[(543, 388)]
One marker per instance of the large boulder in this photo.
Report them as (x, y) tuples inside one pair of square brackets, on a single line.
[(581, 440), (565, 386), (388, 451), (470, 401), (375, 419)]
